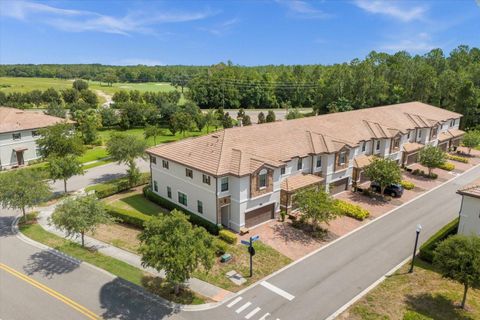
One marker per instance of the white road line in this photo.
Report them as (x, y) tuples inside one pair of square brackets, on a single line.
[(252, 313), (277, 290), (245, 306), (231, 304), (264, 316)]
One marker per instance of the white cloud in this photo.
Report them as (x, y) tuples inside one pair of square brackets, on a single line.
[(80, 20), (221, 28), (392, 9), (303, 9), (420, 42)]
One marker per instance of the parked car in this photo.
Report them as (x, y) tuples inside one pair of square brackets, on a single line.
[(394, 190)]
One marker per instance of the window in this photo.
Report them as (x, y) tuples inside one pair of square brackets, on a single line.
[(282, 171), (206, 179), (396, 143), (319, 162), (165, 164), (419, 133), (200, 206), (38, 152), (434, 132), (452, 123), (378, 145), (182, 198), (224, 186), (364, 146), (169, 192), (262, 179), (17, 136), (35, 133), (300, 164), (189, 173), (153, 159), (342, 159), (155, 186)]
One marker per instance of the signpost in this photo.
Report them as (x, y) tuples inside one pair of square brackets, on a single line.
[(251, 250)]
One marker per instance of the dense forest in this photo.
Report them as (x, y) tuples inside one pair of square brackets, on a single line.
[(449, 81)]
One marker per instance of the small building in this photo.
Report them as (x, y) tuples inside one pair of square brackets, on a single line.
[(470, 210), (19, 131)]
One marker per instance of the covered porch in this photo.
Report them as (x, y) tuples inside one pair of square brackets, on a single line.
[(359, 164), (449, 140), (292, 185), (410, 153)]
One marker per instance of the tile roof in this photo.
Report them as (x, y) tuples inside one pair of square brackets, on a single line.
[(238, 151), (412, 146), (15, 120), (449, 134), (362, 161), (300, 181), (472, 190)]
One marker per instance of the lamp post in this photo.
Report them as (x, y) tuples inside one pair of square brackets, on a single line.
[(419, 228)]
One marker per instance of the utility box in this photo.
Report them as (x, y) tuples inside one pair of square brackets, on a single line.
[(226, 257)]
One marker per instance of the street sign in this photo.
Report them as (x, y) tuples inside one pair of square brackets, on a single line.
[(254, 238), (245, 242)]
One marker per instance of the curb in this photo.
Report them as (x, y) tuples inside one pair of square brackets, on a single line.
[(126, 284)]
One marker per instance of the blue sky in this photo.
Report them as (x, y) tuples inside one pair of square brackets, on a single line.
[(246, 32)]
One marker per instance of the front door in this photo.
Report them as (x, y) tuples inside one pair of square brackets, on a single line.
[(225, 213), (20, 160)]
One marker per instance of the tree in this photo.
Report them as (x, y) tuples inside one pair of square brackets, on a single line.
[(59, 140), (210, 120), (109, 117), (341, 105), (64, 167), (180, 81), (294, 114), (56, 110), (384, 172), (471, 140), (80, 215), (171, 243), (51, 96), (88, 123), (70, 95), (317, 206), (261, 118), (22, 189), (431, 157), (181, 122), (89, 97), (121, 96), (227, 121), (80, 85), (458, 258), (240, 113), (270, 116), (125, 149), (247, 121), (153, 131)]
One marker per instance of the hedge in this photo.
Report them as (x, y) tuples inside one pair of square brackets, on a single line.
[(428, 248), (457, 158), (106, 189), (132, 218), (227, 236), (352, 210), (194, 219), (447, 166), (407, 185)]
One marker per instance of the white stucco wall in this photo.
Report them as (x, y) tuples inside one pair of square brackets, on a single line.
[(470, 216), (8, 145)]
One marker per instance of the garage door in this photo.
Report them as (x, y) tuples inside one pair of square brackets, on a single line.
[(259, 215), (443, 146), (339, 186), (412, 158)]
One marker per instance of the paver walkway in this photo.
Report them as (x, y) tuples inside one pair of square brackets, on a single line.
[(201, 287)]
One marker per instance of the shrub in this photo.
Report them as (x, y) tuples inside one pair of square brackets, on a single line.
[(283, 214), (194, 219), (457, 158), (220, 246), (432, 176), (407, 185), (428, 248), (132, 218), (227, 236), (103, 190), (352, 210), (447, 166)]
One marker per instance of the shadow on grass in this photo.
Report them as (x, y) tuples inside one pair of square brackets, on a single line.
[(436, 306)]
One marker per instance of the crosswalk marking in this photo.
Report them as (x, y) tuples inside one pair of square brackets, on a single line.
[(264, 316), (245, 306), (277, 290), (252, 313), (231, 304)]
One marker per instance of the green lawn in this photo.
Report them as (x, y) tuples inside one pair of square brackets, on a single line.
[(112, 265), (423, 295), (137, 203)]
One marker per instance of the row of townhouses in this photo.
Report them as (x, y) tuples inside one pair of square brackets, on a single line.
[(241, 177), (19, 131)]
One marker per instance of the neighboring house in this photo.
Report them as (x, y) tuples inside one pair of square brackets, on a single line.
[(470, 210), (243, 176), (18, 135)]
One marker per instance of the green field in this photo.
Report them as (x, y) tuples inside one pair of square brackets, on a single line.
[(11, 84)]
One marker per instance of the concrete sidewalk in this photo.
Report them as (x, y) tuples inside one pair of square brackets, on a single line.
[(198, 286)]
